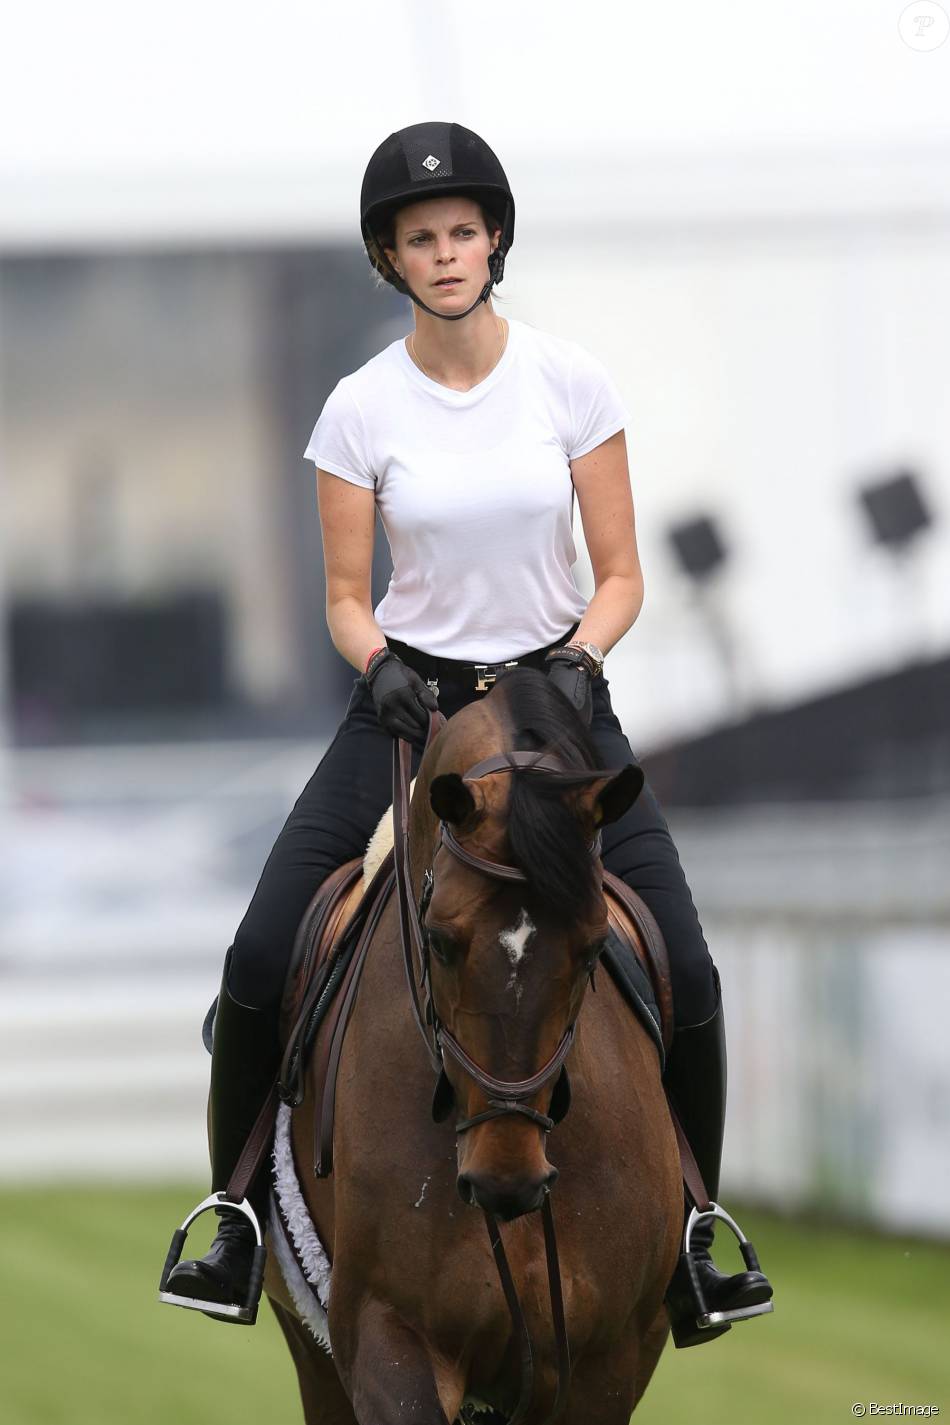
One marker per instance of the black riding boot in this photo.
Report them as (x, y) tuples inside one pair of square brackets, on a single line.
[(696, 1081), (244, 1062)]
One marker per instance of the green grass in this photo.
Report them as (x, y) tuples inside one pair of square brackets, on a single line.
[(858, 1317), (84, 1342)]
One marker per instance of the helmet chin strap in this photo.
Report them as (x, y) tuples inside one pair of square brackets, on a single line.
[(496, 271)]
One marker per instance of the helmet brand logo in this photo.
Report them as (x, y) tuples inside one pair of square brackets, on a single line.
[(431, 162)]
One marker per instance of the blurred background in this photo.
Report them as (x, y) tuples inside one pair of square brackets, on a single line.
[(746, 216)]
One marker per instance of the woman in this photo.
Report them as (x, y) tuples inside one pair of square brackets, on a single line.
[(471, 437)]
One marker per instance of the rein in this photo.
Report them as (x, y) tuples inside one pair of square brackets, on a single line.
[(505, 1097)]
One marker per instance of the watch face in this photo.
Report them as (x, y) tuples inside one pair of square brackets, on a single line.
[(592, 652)]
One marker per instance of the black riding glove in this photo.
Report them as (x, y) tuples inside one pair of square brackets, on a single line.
[(403, 701), (572, 675)]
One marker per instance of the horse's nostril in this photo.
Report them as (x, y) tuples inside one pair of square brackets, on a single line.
[(505, 1199), (466, 1190)]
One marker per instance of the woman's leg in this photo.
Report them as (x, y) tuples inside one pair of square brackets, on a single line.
[(330, 823), (640, 850)]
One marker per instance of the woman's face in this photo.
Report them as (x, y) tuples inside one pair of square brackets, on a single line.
[(442, 238)]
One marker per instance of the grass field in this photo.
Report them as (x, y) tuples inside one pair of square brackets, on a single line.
[(84, 1342)]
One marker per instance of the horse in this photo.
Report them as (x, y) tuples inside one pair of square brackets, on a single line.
[(419, 1326)]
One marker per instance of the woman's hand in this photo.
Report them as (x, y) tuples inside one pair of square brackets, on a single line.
[(572, 675), (403, 701)]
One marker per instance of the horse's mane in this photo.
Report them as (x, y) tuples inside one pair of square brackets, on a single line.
[(545, 838)]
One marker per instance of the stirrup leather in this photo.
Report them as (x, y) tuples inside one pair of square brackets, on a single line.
[(245, 1314), (706, 1319)]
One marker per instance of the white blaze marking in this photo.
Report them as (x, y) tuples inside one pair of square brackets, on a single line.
[(515, 939), (514, 942)]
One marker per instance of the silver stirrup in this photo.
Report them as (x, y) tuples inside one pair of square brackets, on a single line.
[(246, 1314), (705, 1318)]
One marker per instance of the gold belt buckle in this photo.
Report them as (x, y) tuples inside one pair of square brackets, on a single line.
[(484, 678)]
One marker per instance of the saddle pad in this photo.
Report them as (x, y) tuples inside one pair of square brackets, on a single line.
[(628, 974)]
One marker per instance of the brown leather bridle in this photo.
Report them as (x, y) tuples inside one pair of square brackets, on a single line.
[(505, 1097)]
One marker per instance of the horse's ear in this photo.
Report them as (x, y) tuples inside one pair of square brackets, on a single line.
[(452, 799), (607, 798), (618, 794)]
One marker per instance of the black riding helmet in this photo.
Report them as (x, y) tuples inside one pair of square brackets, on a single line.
[(432, 161)]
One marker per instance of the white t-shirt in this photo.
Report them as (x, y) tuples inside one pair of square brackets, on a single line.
[(474, 489)]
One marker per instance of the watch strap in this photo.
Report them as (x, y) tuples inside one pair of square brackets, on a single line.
[(574, 653)]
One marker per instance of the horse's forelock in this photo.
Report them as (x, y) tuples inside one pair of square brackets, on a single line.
[(546, 838)]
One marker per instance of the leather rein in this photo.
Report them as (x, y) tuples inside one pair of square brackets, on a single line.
[(505, 1097)]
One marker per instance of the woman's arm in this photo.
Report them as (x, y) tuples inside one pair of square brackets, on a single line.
[(602, 481), (348, 522)]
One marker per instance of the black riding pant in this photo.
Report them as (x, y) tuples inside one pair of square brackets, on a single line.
[(340, 807)]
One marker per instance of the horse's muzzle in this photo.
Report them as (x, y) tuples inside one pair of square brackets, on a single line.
[(506, 1200)]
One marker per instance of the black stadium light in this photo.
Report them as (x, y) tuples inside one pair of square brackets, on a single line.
[(897, 515), (702, 553), (896, 510), (698, 547)]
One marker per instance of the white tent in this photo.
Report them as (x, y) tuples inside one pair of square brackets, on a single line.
[(744, 214), (117, 122)]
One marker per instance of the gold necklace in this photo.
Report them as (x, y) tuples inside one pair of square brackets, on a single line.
[(504, 343)]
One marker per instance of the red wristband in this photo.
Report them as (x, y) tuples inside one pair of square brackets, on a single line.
[(373, 655)]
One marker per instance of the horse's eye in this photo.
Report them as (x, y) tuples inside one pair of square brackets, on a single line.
[(441, 945)]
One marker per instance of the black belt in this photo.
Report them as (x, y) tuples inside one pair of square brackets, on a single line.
[(479, 676)]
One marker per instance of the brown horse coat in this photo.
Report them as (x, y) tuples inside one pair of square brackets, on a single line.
[(417, 1318)]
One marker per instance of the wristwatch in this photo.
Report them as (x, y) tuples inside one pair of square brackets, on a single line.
[(593, 652), (580, 652)]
